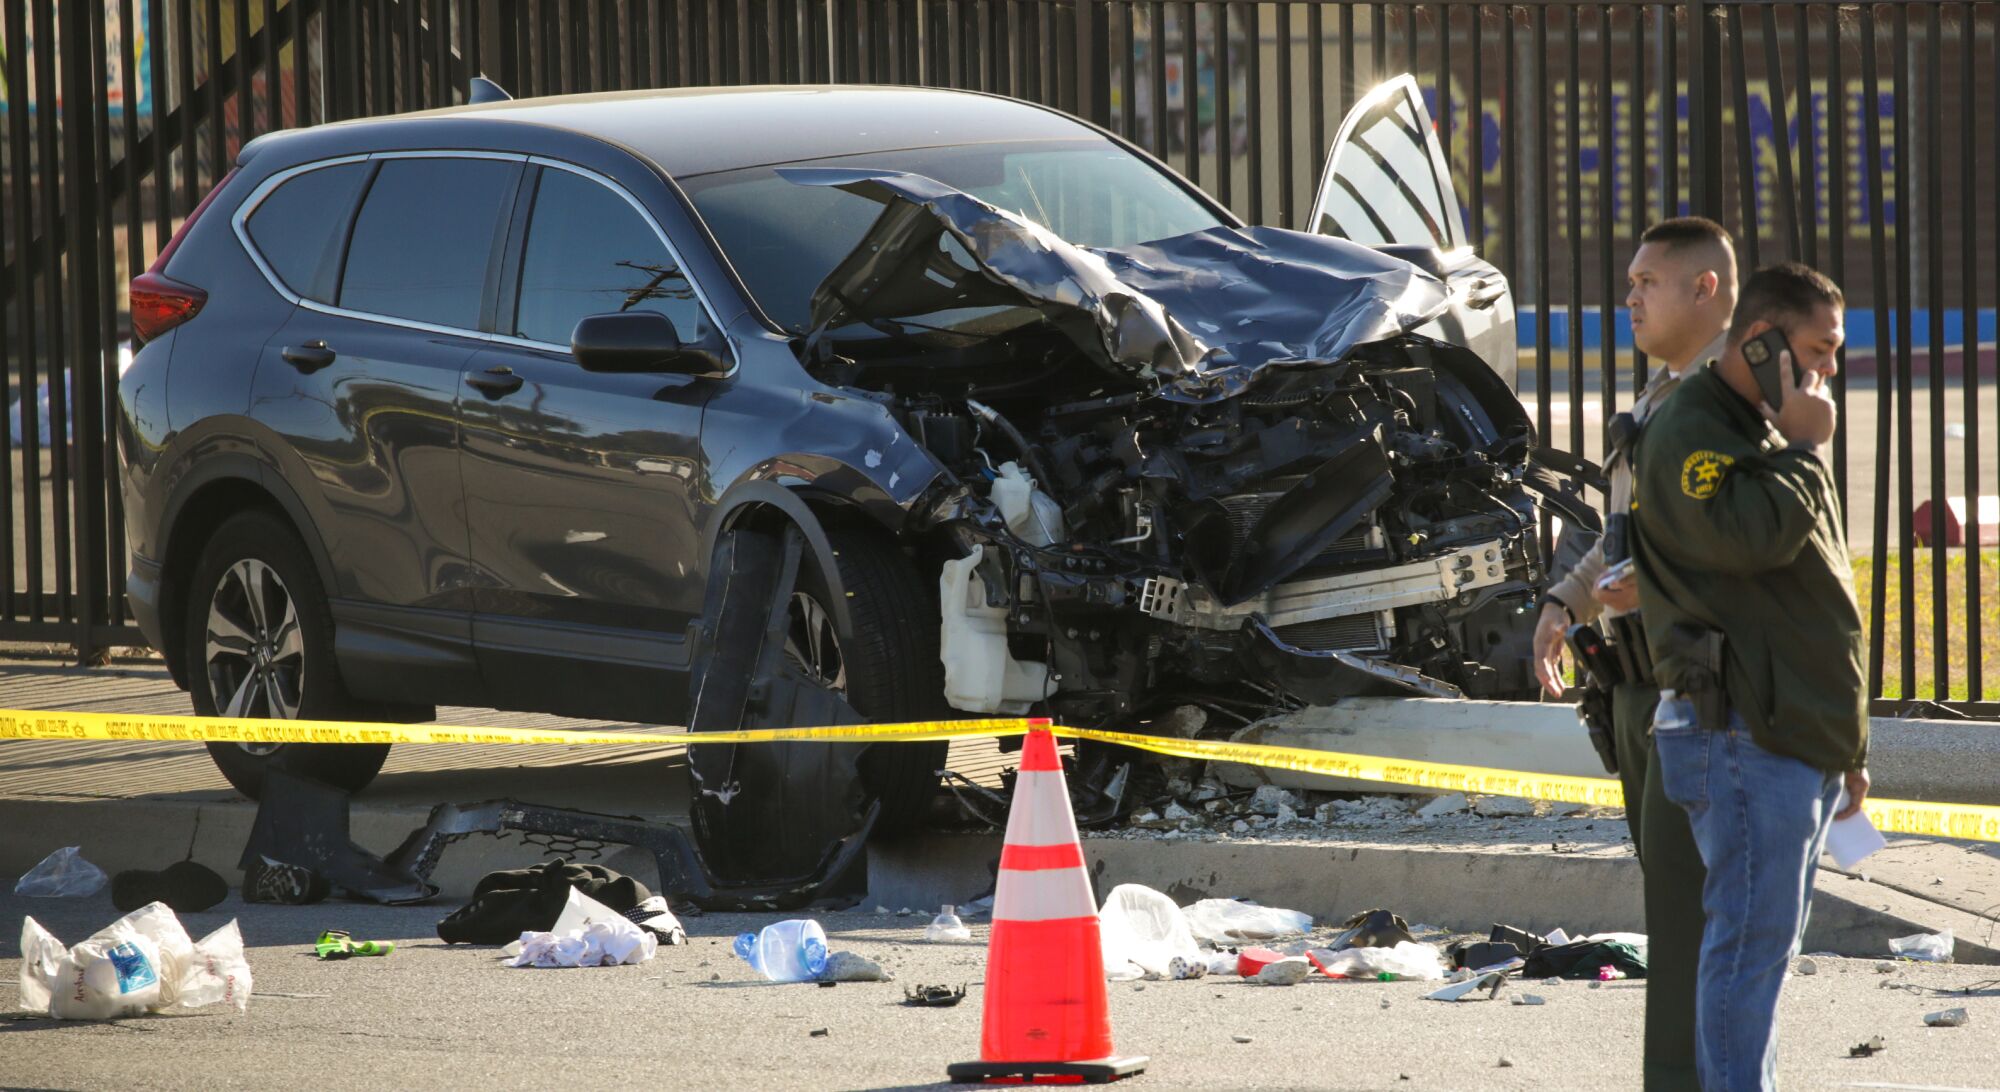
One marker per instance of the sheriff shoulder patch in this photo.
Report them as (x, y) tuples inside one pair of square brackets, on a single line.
[(1701, 473)]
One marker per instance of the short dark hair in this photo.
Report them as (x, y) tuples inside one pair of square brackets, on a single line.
[(1783, 295), (1688, 231)]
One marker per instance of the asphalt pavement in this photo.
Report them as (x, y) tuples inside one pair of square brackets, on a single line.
[(437, 1016)]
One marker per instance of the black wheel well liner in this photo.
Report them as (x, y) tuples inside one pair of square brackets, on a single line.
[(224, 487)]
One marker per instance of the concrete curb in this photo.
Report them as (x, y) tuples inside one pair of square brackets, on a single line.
[(1949, 761), (1461, 889), (1466, 889)]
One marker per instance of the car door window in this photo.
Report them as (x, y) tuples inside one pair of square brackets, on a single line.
[(423, 239), (1387, 181), (590, 252), (297, 228)]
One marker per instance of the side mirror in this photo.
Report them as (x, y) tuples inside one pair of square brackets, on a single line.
[(641, 342)]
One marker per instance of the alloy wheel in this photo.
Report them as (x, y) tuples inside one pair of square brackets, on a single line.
[(814, 645), (255, 650)]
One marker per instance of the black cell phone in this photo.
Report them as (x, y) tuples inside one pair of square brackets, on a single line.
[(1761, 353)]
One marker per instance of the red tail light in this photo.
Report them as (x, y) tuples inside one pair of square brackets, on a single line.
[(160, 304)]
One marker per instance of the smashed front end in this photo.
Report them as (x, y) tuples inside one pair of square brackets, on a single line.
[(1217, 469)]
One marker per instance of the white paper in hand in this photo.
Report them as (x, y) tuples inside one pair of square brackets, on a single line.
[(1851, 840)]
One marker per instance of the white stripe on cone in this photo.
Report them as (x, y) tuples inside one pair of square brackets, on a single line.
[(1046, 895), (1041, 814)]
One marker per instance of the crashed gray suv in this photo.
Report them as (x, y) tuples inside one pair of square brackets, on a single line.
[(818, 404)]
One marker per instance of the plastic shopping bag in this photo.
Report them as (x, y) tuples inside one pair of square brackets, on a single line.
[(141, 963)]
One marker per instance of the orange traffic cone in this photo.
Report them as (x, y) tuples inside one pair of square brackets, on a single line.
[(1046, 1013)]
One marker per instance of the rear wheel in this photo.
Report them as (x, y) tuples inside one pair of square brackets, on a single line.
[(880, 652), (258, 639)]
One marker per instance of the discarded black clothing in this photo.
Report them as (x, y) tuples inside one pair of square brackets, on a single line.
[(1374, 929), (185, 886), (506, 904), (1583, 958)]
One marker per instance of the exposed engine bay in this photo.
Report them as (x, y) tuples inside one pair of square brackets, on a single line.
[(1220, 469)]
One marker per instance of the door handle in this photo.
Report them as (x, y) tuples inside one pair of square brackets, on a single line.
[(496, 382), (308, 358)]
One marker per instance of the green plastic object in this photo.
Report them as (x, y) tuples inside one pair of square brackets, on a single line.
[(339, 944)]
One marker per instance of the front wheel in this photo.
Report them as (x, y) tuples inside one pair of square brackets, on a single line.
[(259, 644)]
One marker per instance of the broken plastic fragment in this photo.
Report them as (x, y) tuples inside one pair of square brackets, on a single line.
[(1949, 1018), (1924, 947)]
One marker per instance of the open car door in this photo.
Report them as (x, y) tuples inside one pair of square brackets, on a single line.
[(1387, 185)]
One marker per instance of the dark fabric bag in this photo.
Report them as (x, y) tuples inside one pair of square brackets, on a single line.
[(508, 903)]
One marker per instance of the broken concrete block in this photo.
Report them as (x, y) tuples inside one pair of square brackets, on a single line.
[(1269, 798), (849, 967), (1286, 816), (1449, 804), (1285, 972), (1807, 966), (1497, 807), (1176, 813), (1530, 999)]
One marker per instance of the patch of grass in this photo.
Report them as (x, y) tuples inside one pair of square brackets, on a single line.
[(1922, 606)]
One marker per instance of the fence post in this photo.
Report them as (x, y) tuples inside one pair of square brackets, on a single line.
[(83, 434), (1092, 101), (1705, 134)]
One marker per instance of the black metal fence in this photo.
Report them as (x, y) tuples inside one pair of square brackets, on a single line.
[(1858, 138)]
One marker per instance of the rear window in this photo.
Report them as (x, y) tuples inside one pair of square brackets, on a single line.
[(297, 227), (423, 239)]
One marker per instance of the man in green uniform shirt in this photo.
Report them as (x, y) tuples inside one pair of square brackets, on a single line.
[(1681, 289), (1749, 608)]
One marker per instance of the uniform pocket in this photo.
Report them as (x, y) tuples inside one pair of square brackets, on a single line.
[(1682, 752)]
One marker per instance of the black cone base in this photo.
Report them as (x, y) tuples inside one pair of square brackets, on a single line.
[(1100, 1071)]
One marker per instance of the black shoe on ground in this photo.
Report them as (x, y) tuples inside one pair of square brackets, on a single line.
[(266, 880), (186, 888)]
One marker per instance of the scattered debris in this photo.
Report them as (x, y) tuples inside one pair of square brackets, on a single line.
[(1949, 1018), (1807, 966), (141, 963), (793, 950), (185, 886), (1868, 1049), (508, 903), (1176, 813), (1498, 807), (1506, 1062), (1241, 1038), (654, 916), (1408, 959), (1491, 983), (821, 1033), (1374, 929), (1227, 922), (936, 997), (1142, 931), (1269, 798), (1924, 947), (849, 967), (1180, 968), (1251, 960), (947, 929), (1285, 972), (63, 874), (340, 944), (1885, 967), (587, 934), (1449, 804), (1530, 999)]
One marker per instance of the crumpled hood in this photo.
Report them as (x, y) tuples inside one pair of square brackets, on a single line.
[(1196, 314)]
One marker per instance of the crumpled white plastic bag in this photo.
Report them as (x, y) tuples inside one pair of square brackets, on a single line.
[(1924, 947), (1408, 959), (1143, 932), (587, 934), (141, 963), (61, 875), (1232, 922)]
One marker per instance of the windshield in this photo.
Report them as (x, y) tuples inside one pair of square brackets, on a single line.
[(784, 239)]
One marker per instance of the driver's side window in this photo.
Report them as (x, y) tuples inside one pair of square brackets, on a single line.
[(589, 252)]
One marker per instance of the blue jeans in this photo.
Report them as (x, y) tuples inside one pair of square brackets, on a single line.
[(1760, 820)]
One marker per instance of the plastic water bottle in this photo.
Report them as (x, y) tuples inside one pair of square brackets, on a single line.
[(789, 951), (946, 928)]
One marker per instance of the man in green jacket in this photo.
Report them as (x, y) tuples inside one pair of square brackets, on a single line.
[(1681, 290), (1748, 599)]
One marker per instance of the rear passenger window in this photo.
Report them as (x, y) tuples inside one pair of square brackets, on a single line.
[(590, 252), (297, 227), (423, 237)]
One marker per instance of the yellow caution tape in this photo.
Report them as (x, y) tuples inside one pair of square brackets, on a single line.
[(1975, 822)]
